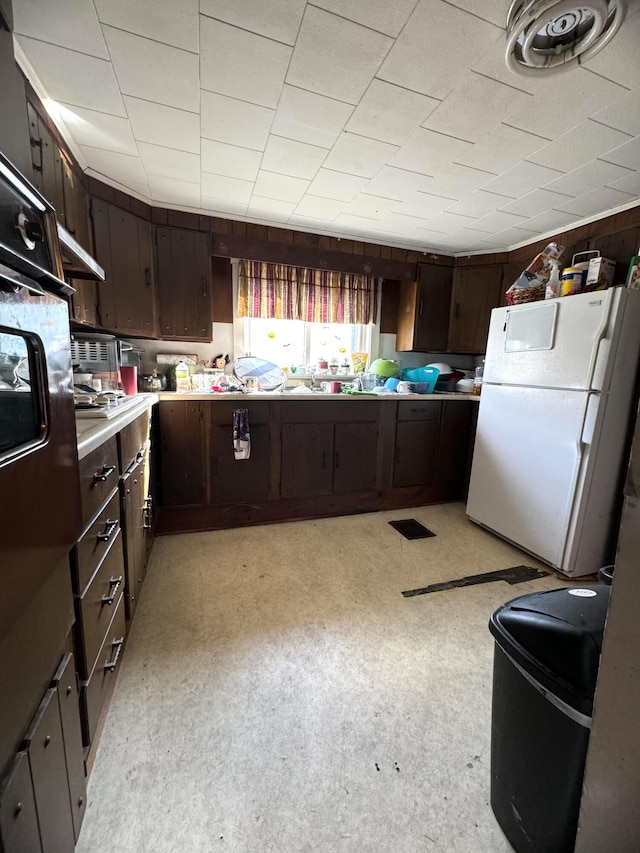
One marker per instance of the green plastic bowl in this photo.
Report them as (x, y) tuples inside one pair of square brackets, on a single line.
[(384, 367)]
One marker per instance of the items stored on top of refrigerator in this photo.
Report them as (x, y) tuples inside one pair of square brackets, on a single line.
[(553, 424)]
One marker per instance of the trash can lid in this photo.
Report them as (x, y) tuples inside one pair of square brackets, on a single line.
[(556, 636)]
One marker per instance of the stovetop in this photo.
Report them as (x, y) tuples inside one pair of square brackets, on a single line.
[(113, 408)]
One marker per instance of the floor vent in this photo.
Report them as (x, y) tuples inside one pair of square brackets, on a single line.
[(411, 529)]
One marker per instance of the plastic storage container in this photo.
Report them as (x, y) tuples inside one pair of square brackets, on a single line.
[(547, 653)]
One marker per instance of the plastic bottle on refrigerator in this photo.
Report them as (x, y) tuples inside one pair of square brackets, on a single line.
[(554, 284)]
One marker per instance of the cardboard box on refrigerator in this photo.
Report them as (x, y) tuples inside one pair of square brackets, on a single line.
[(600, 274)]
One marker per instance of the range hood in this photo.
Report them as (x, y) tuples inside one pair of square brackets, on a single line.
[(76, 262)]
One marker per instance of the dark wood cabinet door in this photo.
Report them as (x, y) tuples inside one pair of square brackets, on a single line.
[(102, 247), (184, 284), (182, 459), (476, 291), (307, 460), (242, 480), (453, 443), (354, 457), (415, 453), (423, 314), (65, 683), (129, 290), (132, 494), (146, 279), (19, 831), (46, 162), (45, 746)]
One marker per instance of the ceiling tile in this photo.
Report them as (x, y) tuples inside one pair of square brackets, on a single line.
[(535, 202), (170, 163), (172, 191), (623, 114), (371, 206), (474, 107), (511, 237), (280, 187), (425, 57), (455, 181), (572, 98), (308, 223), (597, 201), (353, 224), (224, 207), (593, 175), (548, 221), (498, 221), (174, 23), (175, 72), (390, 113), (627, 154), (399, 223), (358, 155), (427, 151), (501, 148), (119, 167), (335, 57), (99, 130), (424, 205), (478, 203), (275, 19), (380, 15), (337, 185), (72, 23), (399, 184), (292, 158), (269, 208), (227, 120), (74, 78), (578, 146), (521, 179), (319, 208), (619, 59), (226, 189), (230, 160), (474, 234), (240, 64), (449, 222), (162, 125), (630, 183), (309, 117)]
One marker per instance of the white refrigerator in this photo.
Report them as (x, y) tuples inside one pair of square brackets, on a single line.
[(554, 422)]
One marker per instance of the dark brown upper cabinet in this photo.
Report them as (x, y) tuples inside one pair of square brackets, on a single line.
[(46, 161), (423, 313), (476, 291), (123, 247), (184, 284)]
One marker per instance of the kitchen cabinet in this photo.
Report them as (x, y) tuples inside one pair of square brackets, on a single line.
[(475, 292), (238, 481), (182, 449), (307, 460), (184, 284), (423, 314), (123, 247), (46, 162), (19, 831), (416, 444)]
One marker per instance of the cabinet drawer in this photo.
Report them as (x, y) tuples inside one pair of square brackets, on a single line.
[(95, 606), (95, 543), (418, 411), (96, 689), (98, 476), (131, 440)]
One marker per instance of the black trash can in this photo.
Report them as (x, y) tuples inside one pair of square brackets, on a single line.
[(547, 654)]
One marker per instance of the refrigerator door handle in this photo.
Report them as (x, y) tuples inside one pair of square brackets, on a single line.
[(591, 414)]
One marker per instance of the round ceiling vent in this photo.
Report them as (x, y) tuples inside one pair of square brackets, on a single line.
[(552, 36)]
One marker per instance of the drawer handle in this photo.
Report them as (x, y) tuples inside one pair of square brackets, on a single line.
[(148, 513), (101, 476), (114, 583), (109, 527), (116, 645)]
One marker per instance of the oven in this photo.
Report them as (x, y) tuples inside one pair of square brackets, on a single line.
[(39, 481)]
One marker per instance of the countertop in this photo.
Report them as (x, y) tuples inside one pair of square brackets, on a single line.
[(92, 432), (316, 395)]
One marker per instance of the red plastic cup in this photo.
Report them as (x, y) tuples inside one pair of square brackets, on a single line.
[(335, 387), (129, 379)]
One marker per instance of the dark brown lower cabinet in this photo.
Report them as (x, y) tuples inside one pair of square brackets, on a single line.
[(307, 460), (44, 745), (354, 457), (416, 444), (239, 481), (19, 831), (133, 508), (67, 688), (182, 453)]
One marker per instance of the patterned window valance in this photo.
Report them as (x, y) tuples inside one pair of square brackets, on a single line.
[(282, 292)]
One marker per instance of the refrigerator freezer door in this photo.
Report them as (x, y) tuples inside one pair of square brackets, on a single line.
[(526, 464), (550, 344)]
